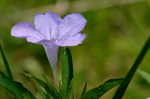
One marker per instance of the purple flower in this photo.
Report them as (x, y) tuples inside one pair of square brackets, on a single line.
[(51, 31)]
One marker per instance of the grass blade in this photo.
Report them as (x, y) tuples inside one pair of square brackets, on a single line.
[(84, 89), (121, 90), (7, 66), (49, 88), (99, 91)]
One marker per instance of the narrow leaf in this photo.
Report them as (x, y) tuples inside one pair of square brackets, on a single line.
[(50, 89), (15, 88), (84, 89), (145, 75), (7, 66), (43, 92), (99, 91), (65, 59), (124, 85)]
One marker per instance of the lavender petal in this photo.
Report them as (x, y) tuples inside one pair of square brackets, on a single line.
[(72, 41), (26, 30), (47, 24), (71, 24)]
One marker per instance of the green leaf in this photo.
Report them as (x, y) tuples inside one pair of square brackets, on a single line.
[(84, 89), (127, 79), (50, 89), (15, 88), (97, 92), (7, 66), (65, 59), (43, 92), (145, 75)]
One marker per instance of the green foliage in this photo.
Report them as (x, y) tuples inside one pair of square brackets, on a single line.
[(6, 63), (50, 89), (97, 92), (65, 59), (122, 88), (84, 90), (15, 88), (145, 75)]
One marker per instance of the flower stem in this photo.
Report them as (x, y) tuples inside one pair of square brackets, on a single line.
[(121, 90)]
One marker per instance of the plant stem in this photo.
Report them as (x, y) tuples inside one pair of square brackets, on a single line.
[(121, 90), (7, 66)]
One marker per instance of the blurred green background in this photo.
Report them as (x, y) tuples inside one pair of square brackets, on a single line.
[(116, 29)]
